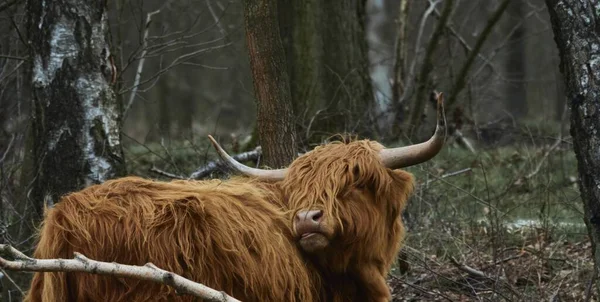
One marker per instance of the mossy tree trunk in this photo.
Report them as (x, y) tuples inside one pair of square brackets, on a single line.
[(75, 134), (576, 25), (275, 122), (326, 51)]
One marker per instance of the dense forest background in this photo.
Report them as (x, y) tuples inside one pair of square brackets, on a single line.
[(496, 216)]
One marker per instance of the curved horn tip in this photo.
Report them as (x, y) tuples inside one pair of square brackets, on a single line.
[(213, 141)]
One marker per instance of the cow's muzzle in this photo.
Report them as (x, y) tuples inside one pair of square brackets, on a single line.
[(309, 230)]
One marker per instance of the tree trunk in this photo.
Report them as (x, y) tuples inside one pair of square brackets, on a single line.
[(400, 59), (326, 50), (271, 83), (302, 40), (576, 25), (515, 62), (349, 95), (75, 116)]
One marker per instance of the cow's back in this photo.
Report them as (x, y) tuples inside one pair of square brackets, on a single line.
[(222, 234)]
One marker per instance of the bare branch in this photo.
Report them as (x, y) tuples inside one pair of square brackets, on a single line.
[(400, 53), (469, 270), (8, 57), (414, 119), (449, 175), (411, 71), (212, 166), (5, 276), (138, 73), (165, 173), (80, 263), (177, 61), (8, 4), (461, 78), (12, 139), (541, 162)]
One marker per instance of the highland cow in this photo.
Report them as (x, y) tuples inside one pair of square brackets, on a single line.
[(327, 228)]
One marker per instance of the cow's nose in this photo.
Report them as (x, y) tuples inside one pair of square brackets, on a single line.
[(313, 216)]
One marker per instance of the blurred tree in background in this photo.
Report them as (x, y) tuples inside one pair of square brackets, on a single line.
[(329, 69)]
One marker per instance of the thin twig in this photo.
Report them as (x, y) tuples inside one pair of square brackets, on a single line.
[(469, 270), (541, 162), (14, 284), (588, 288), (421, 289), (9, 57), (8, 4), (462, 75), (448, 175), (411, 70), (414, 119), (80, 263), (165, 173), (138, 73), (12, 139), (400, 53)]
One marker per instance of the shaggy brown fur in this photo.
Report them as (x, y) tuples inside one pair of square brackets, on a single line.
[(226, 235), (362, 202), (237, 236)]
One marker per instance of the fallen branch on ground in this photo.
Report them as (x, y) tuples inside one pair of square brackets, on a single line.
[(480, 274), (214, 165), (165, 173), (541, 162), (448, 175), (463, 141), (80, 263), (469, 270)]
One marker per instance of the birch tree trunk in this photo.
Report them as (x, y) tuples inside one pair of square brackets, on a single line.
[(275, 120), (75, 114), (576, 25)]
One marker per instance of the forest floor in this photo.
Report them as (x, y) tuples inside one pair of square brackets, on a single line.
[(536, 269), (502, 224)]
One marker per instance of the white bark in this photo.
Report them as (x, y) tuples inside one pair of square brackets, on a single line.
[(80, 263)]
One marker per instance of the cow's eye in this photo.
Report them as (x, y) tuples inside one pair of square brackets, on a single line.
[(356, 172)]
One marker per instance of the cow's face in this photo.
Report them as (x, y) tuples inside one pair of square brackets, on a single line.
[(344, 201)]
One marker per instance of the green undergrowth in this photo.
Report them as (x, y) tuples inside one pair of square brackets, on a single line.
[(512, 213), (500, 191)]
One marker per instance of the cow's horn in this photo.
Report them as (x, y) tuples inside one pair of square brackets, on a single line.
[(395, 158), (268, 175)]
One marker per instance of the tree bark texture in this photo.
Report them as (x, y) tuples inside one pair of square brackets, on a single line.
[(327, 52), (75, 116), (576, 25), (349, 95), (271, 83), (300, 32)]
